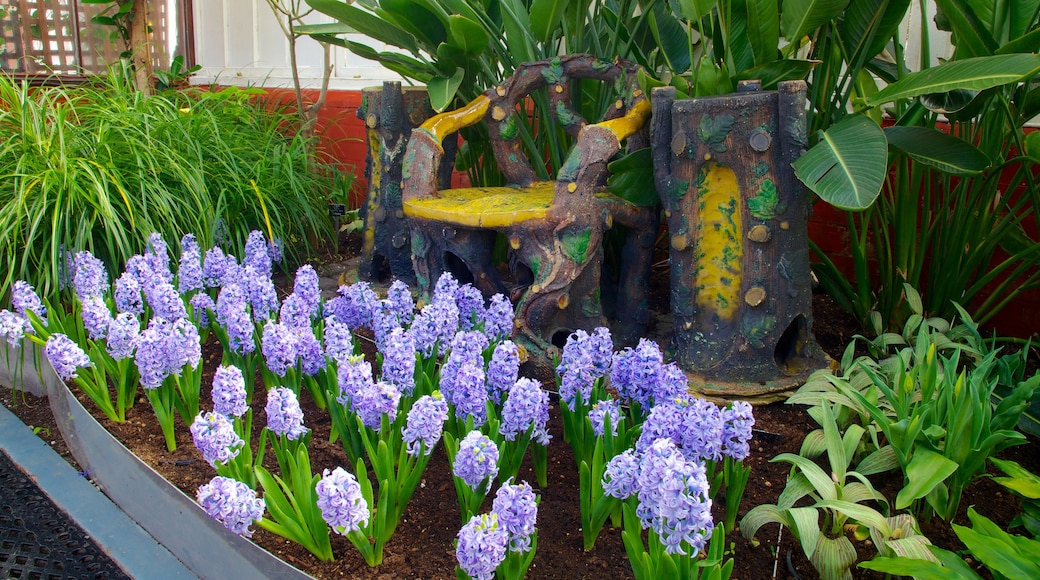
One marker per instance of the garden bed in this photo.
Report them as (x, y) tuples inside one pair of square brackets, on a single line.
[(423, 544)]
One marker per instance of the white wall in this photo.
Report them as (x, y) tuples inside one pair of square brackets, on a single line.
[(239, 42)]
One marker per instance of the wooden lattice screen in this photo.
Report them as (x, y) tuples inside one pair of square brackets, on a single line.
[(58, 37)]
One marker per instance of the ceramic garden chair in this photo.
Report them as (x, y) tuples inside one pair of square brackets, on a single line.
[(555, 229)]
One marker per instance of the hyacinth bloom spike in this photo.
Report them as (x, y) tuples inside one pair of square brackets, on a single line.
[(13, 327), (233, 315), (278, 345), (189, 268), (481, 546), (425, 423), (229, 391), (499, 318), (231, 503), (123, 335), (165, 301), (401, 297), (90, 277), (399, 361), (374, 400), (256, 254), (127, 294), (517, 509), (503, 370), (284, 416), (263, 298), (476, 461), (307, 288), (65, 356), (214, 435), (339, 342), (738, 419), (526, 407), (342, 505), (470, 303), (24, 299), (96, 317), (600, 411), (354, 305), (354, 374), (214, 267)]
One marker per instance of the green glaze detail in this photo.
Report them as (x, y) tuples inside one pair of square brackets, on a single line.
[(406, 164), (601, 65), (565, 116), (590, 305), (554, 72), (569, 170), (756, 328), (420, 243), (508, 130), (766, 204), (536, 266), (392, 194), (681, 187), (714, 130), (760, 169), (576, 244)]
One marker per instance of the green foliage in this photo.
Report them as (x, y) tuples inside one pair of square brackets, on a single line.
[(934, 410), (1004, 555), (839, 501), (1026, 485), (951, 213), (99, 167)]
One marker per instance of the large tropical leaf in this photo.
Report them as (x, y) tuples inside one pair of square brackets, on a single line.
[(694, 10), (367, 23), (467, 35), (937, 149), (926, 470), (442, 89), (972, 36), (801, 17), (763, 29), (672, 39), (868, 25), (846, 168), (425, 24), (632, 177), (972, 73), (545, 18), (918, 569)]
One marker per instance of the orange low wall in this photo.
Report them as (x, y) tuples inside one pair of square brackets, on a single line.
[(343, 138)]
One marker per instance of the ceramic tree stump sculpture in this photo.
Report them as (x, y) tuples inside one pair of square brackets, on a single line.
[(554, 229), (741, 291), (390, 114)]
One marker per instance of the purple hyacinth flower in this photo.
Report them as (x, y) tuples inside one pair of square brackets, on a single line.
[(140, 269), (636, 373), (373, 400), (294, 312), (231, 503), (96, 316), (90, 277), (700, 433), (123, 334), (278, 345), (665, 421), (308, 350), (189, 268), (256, 253), (470, 396), (477, 460), (673, 498), (517, 509), (499, 318), (354, 374), (24, 299), (341, 502), (585, 359), (214, 268), (127, 294), (481, 546), (471, 307), (339, 343), (354, 305), (465, 347), (401, 297), (284, 415), (399, 361), (263, 297), (151, 356), (384, 321), (600, 411), (201, 306), (214, 435), (233, 315), (184, 345), (503, 370), (621, 475), (165, 301), (445, 288), (738, 419), (12, 327), (66, 356), (425, 423), (158, 256), (229, 391), (526, 407), (306, 286)]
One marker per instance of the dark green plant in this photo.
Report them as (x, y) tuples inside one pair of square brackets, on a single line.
[(839, 498), (98, 167), (1026, 485), (952, 201), (1004, 555)]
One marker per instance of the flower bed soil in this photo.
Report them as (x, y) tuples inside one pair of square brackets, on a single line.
[(422, 546)]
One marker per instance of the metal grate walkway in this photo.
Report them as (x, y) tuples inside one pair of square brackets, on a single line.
[(38, 540)]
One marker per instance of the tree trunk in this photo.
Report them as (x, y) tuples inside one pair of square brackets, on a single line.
[(141, 48)]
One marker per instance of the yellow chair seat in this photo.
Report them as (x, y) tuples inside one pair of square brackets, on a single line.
[(489, 207)]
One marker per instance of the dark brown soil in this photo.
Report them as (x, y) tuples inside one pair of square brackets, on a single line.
[(422, 547)]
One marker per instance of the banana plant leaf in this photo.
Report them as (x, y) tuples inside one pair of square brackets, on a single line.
[(937, 149), (846, 168), (973, 73)]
